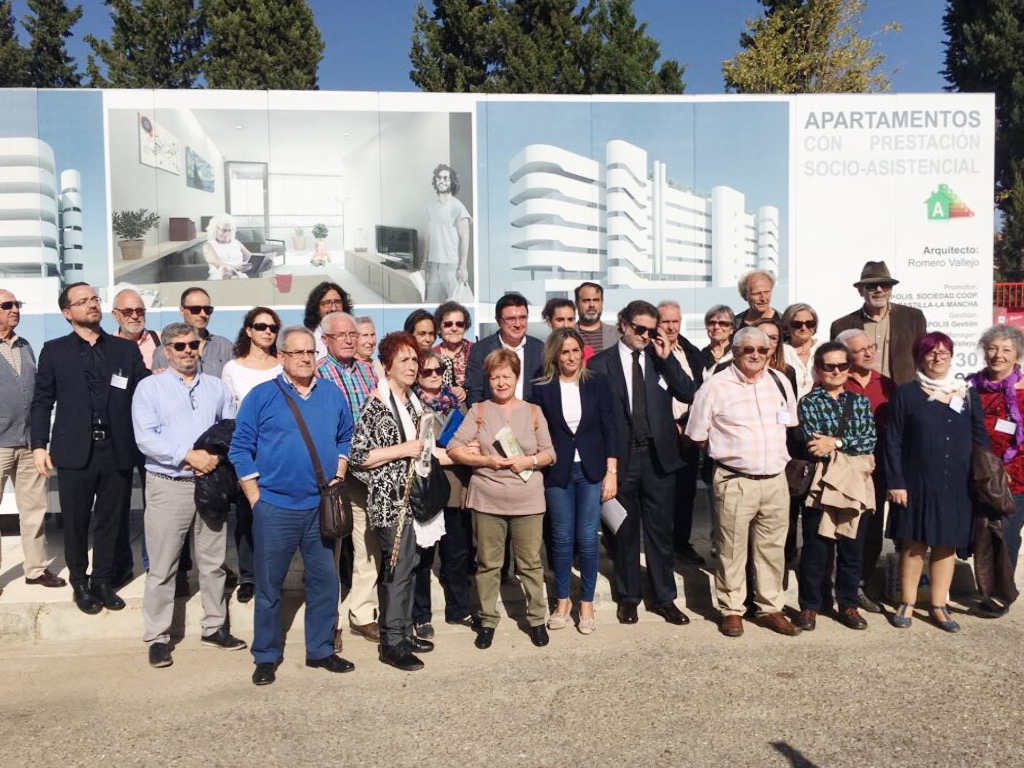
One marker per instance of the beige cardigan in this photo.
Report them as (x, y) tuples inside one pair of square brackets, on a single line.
[(844, 491)]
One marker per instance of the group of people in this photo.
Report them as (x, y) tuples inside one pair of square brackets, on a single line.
[(599, 432)]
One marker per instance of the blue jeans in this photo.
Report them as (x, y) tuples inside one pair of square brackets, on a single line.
[(277, 533), (575, 513)]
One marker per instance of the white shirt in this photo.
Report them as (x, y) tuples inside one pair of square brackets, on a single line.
[(804, 373), (521, 354), (572, 408), (679, 409), (626, 356), (241, 380)]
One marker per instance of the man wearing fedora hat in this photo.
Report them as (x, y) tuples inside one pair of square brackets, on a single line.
[(892, 328)]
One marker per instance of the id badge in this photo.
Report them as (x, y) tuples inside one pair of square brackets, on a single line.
[(956, 403), (119, 381), (1006, 426), (782, 417)]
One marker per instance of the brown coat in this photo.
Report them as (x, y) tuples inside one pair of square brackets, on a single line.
[(906, 325)]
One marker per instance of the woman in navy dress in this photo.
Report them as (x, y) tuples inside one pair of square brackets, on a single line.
[(933, 423)]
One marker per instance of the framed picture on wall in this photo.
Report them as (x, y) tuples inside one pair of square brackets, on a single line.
[(198, 172), (158, 147)]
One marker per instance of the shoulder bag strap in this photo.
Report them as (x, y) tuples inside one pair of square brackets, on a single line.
[(778, 383), (317, 468), (847, 414)]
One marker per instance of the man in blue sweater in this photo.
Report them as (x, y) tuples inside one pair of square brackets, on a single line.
[(277, 476)]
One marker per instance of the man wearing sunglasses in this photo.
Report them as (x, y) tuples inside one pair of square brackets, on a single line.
[(892, 328), (214, 351), (90, 376), (742, 414), (645, 377), (129, 313), (513, 315), (171, 410), (17, 381)]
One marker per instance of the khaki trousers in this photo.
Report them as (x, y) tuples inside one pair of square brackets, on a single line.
[(363, 602), (758, 509), (526, 533), (30, 495)]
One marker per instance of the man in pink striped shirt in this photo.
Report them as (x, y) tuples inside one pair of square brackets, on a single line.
[(742, 414)]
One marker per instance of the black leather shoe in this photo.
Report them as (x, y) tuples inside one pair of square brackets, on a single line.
[(539, 635), (399, 657), (106, 595), (224, 640), (264, 674), (332, 663), (85, 600), (626, 613), (484, 638), (418, 644), (160, 655), (245, 592), (670, 613)]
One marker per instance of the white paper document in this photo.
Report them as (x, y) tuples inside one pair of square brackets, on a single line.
[(612, 514)]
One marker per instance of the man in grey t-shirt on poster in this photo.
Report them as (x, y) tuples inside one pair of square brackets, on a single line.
[(446, 263)]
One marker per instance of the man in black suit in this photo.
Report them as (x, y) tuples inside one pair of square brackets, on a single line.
[(513, 314), (91, 377), (645, 377)]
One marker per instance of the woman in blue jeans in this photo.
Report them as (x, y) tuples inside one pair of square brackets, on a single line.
[(577, 405)]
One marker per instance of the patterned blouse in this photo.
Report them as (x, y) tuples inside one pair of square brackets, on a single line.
[(454, 372), (820, 412), (377, 428)]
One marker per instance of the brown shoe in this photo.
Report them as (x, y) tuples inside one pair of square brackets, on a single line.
[(47, 579), (370, 631), (338, 642), (731, 626), (850, 617), (806, 620), (777, 622)]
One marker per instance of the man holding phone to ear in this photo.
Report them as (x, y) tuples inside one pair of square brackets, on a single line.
[(645, 377)]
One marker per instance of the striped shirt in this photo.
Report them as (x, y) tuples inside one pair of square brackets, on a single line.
[(744, 420), (355, 379)]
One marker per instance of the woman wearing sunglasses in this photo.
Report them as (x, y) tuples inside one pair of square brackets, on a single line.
[(255, 362), (834, 421), (719, 322), (453, 322), (799, 323)]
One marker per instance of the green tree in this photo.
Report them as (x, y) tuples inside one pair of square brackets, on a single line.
[(537, 46), (985, 53), (49, 26), (253, 44), (807, 46), (153, 44), (13, 57)]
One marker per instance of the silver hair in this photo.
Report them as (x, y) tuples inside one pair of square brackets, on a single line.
[(746, 333), (669, 303), (745, 279), (1010, 333), (327, 321), (849, 334), (121, 293), (215, 222), (791, 311), (719, 309), (174, 330), (363, 320), (291, 330)]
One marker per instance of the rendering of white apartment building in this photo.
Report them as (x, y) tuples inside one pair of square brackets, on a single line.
[(622, 223)]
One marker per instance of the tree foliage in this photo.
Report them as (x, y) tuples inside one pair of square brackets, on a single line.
[(153, 44), (49, 26), (807, 46), (254, 44), (985, 53), (13, 57), (537, 46)]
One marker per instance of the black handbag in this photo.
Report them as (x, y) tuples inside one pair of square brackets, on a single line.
[(990, 485), (335, 505), (427, 495)]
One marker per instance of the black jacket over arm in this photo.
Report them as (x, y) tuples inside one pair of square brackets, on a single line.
[(60, 380), (478, 389), (659, 403)]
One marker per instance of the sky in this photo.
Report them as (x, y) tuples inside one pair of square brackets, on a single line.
[(367, 42)]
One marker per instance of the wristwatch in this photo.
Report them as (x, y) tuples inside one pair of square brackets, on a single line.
[(839, 442)]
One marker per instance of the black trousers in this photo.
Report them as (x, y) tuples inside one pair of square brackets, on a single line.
[(110, 488), (396, 593), (646, 493), (421, 608), (456, 548), (686, 492), (815, 573), (869, 533)]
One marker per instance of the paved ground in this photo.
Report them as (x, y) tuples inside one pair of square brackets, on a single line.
[(650, 694)]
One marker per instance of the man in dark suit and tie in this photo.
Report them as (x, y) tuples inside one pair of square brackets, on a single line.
[(645, 377), (91, 377), (513, 314)]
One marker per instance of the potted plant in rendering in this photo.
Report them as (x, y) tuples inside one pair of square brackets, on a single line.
[(320, 256), (299, 238), (131, 228)]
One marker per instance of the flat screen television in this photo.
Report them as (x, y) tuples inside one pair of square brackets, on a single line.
[(397, 245)]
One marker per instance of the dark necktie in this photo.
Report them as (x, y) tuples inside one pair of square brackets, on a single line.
[(641, 429)]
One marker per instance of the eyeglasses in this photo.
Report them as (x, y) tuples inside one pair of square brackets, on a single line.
[(453, 324), (514, 319), (131, 311), (195, 310), (719, 323), (82, 302), (430, 371), (868, 348), (345, 335), (877, 287), (272, 327), (181, 346), (833, 367), (643, 330), (299, 352), (938, 354), (331, 303), (752, 350), (797, 325), (7, 306)]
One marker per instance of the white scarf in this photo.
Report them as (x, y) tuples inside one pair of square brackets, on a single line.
[(947, 385)]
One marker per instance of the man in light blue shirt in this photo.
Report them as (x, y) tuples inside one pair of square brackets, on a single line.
[(168, 415)]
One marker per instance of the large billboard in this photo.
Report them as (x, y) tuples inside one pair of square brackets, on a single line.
[(408, 199)]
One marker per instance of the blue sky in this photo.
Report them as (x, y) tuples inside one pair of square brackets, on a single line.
[(367, 42)]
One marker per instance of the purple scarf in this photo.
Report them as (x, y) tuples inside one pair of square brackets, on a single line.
[(1007, 386)]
